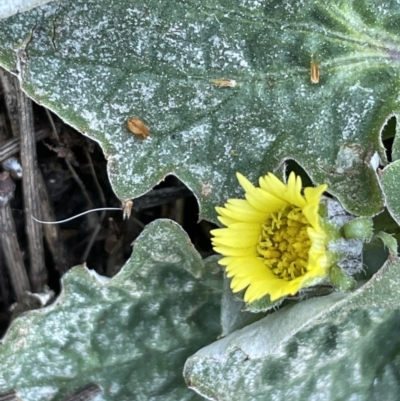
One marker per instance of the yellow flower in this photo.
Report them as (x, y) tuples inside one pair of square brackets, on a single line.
[(273, 243)]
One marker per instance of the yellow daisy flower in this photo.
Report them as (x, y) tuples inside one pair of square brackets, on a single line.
[(273, 243)]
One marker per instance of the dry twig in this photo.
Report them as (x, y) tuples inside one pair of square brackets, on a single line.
[(52, 233), (8, 235), (9, 396), (98, 225), (10, 88), (37, 271), (92, 220), (12, 146), (12, 253)]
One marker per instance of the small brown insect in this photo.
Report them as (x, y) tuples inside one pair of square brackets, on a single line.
[(314, 71), (127, 206), (137, 127), (231, 83)]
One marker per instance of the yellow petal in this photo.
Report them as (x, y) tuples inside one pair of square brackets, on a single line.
[(245, 183), (244, 219), (236, 242), (271, 184), (311, 213), (264, 201), (228, 251), (226, 221), (228, 260), (237, 228), (240, 204), (239, 284), (254, 272), (317, 238), (313, 195), (240, 265), (293, 194), (265, 287), (240, 211)]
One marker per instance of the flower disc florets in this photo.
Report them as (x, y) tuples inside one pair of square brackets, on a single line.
[(273, 243), (284, 243)]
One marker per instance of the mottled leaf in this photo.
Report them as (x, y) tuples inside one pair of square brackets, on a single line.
[(130, 334), (223, 86), (330, 348), (11, 7), (234, 311), (390, 179)]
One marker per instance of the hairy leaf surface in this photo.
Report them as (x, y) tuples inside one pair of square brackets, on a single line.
[(332, 348), (130, 334), (312, 81)]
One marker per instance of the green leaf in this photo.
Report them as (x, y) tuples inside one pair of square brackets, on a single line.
[(332, 348), (130, 334), (389, 241), (340, 280), (98, 63), (390, 178), (8, 8), (359, 228), (234, 311)]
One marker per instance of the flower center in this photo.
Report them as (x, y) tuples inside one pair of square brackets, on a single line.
[(284, 243)]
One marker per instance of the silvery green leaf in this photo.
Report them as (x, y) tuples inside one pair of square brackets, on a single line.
[(223, 86), (390, 177), (338, 347), (11, 7), (130, 334), (235, 312)]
